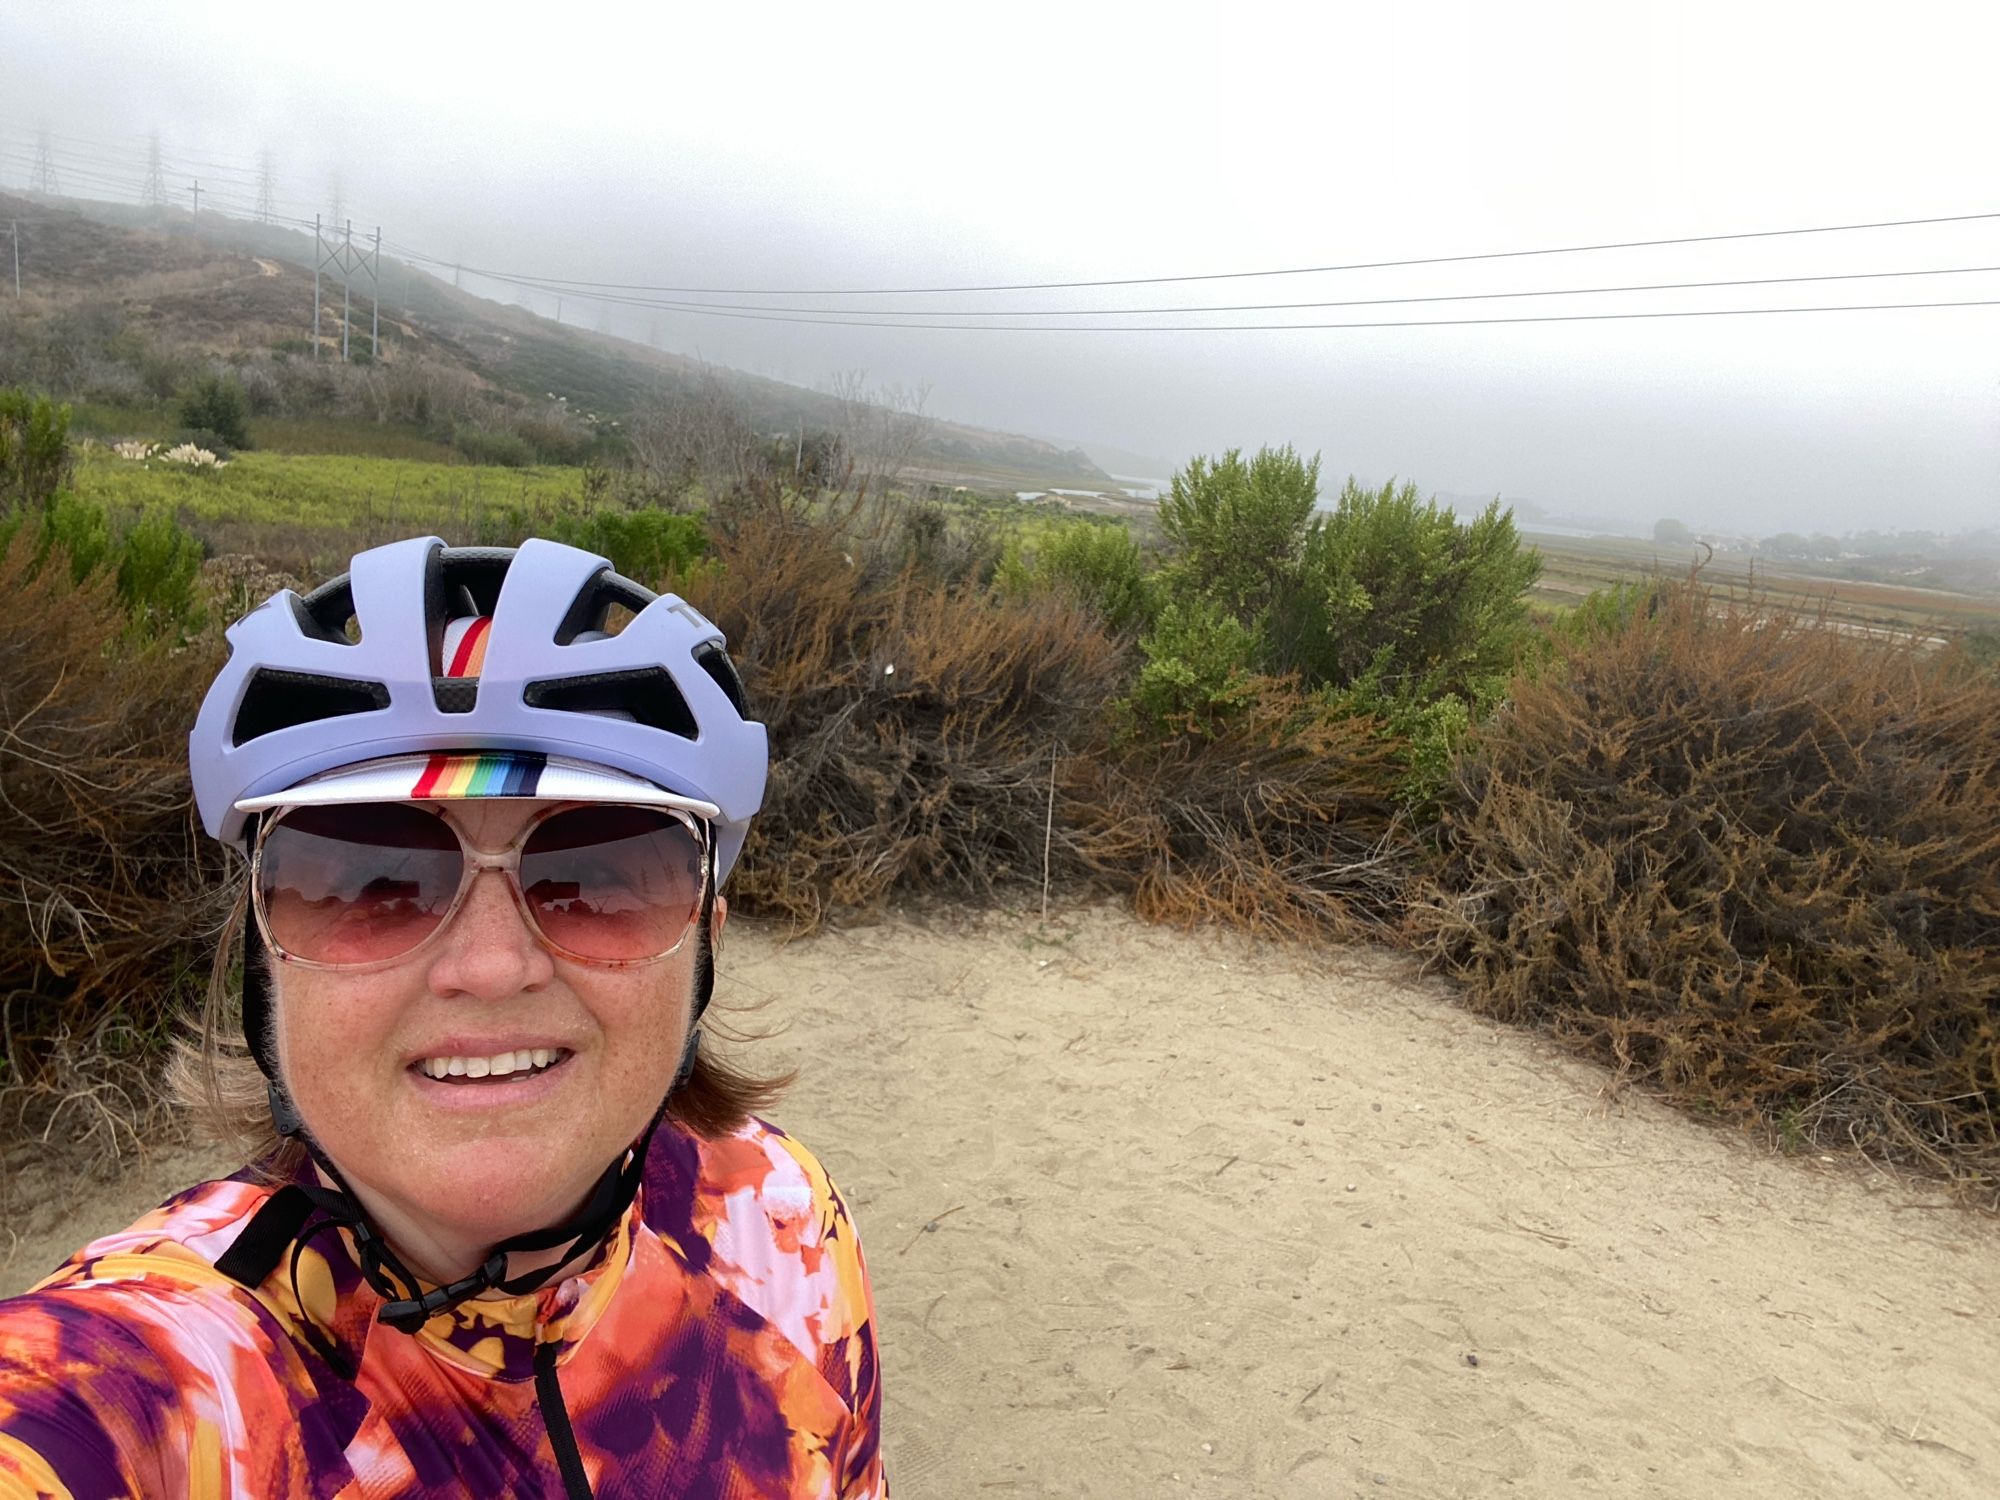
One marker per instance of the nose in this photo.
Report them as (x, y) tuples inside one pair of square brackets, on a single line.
[(487, 952)]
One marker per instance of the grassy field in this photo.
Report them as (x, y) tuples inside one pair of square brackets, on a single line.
[(269, 502), (1575, 566)]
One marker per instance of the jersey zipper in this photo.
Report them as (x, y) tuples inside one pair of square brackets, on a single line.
[(555, 1416)]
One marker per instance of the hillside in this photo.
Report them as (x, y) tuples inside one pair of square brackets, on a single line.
[(224, 286)]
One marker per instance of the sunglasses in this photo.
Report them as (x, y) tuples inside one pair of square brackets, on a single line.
[(364, 885)]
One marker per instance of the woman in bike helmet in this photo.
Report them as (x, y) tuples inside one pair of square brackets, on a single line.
[(507, 1229)]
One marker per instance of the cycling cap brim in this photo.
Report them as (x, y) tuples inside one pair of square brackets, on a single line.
[(453, 775)]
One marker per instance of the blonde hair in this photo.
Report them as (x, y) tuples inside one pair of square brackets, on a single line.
[(215, 1081)]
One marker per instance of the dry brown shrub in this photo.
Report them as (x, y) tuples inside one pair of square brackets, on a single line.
[(1285, 824), (913, 724), (1754, 863), (105, 884)]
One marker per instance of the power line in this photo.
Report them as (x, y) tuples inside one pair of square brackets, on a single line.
[(134, 191), (171, 159), (1704, 312), (1368, 265), (102, 167), (1092, 312), (842, 319)]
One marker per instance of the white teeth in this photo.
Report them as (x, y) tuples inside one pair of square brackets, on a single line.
[(500, 1065)]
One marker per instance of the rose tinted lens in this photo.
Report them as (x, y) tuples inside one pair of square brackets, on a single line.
[(357, 884), (613, 882)]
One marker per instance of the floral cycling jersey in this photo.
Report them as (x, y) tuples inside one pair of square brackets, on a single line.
[(722, 1344)]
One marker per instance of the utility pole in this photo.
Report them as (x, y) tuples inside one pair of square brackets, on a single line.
[(15, 226), (319, 249), (375, 300), (197, 196), (346, 290), (558, 309)]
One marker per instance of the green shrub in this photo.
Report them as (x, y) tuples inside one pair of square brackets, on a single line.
[(217, 404), (486, 445), (1236, 528), (1426, 733), (1386, 593), (1605, 612), (1096, 564), (1982, 645), (159, 566), (35, 459), (1397, 594), (155, 563), (644, 545), (1387, 608), (79, 530), (1199, 671)]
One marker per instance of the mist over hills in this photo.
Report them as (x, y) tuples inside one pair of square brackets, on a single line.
[(225, 286)]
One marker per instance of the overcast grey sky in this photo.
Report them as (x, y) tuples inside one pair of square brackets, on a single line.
[(878, 145)]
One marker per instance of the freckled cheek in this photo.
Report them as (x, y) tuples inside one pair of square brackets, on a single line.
[(643, 1029), (334, 1051)]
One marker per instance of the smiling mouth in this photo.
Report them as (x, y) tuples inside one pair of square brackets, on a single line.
[(502, 1067)]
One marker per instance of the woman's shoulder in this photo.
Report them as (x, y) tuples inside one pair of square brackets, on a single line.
[(149, 1291), (766, 1221), (183, 1237), (140, 1324)]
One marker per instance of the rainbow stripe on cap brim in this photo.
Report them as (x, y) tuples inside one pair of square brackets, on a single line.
[(503, 774), (455, 775)]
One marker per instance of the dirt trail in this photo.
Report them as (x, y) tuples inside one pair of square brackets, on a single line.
[(1151, 1214)]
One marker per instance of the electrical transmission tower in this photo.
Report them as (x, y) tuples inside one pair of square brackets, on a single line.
[(264, 187), (155, 194), (45, 165), (333, 250)]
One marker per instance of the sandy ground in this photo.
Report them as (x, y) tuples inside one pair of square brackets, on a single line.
[(1152, 1214)]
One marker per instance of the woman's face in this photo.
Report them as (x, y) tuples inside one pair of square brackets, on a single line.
[(452, 1166)]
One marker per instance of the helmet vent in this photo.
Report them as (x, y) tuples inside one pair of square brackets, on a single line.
[(713, 660), (590, 611), (647, 695), (327, 613), (274, 700)]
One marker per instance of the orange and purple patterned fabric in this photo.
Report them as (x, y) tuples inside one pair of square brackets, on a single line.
[(723, 1344)]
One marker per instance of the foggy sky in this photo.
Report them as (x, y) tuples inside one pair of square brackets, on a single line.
[(807, 147)]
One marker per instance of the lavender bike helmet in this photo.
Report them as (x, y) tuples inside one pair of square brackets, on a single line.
[(301, 697)]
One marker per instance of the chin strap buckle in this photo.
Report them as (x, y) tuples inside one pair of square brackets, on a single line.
[(408, 1314)]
